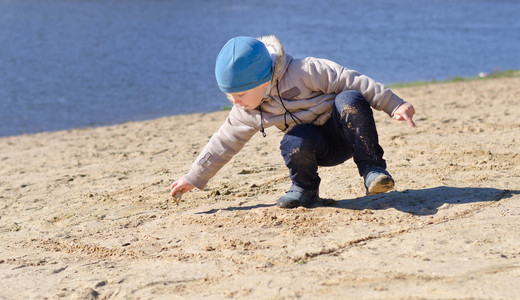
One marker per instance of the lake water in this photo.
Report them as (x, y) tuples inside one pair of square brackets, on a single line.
[(77, 63)]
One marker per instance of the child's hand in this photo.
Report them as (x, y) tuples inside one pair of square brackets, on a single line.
[(181, 185), (405, 112)]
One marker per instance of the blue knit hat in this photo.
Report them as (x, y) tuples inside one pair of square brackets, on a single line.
[(242, 64)]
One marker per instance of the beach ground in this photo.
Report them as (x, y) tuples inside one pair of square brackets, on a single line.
[(86, 213)]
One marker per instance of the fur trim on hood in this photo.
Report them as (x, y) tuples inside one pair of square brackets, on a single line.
[(274, 46)]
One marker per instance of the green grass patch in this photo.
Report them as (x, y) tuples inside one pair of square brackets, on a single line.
[(494, 75)]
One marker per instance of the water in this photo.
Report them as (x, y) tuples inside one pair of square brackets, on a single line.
[(76, 63)]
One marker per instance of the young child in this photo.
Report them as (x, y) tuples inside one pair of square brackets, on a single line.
[(324, 109)]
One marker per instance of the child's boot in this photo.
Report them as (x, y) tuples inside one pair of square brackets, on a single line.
[(378, 181), (293, 199)]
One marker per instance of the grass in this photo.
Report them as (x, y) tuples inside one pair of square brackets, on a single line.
[(494, 75)]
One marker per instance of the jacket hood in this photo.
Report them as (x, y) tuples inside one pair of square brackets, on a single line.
[(275, 48)]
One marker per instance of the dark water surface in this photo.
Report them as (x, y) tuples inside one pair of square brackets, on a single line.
[(77, 63)]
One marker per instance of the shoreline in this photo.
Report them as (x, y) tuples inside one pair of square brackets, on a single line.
[(397, 86), (85, 213)]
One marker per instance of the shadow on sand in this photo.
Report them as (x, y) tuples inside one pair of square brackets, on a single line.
[(416, 202), (423, 201)]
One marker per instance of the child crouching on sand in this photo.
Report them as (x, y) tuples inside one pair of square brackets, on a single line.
[(324, 109)]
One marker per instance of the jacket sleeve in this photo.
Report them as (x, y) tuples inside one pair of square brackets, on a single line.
[(223, 145), (331, 78)]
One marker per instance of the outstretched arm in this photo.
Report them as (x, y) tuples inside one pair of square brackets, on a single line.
[(405, 112), (223, 145)]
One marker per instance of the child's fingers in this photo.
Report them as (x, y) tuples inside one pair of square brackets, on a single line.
[(173, 191), (181, 185), (409, 120), (405, 117)]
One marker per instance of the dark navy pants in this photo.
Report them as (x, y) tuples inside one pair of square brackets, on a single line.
[(349, 133)]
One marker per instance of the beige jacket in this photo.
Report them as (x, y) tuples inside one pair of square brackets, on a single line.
[(308, 88)]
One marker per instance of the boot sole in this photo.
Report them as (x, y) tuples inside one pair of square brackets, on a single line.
[(381, 184), (295, 203), (288, 204)]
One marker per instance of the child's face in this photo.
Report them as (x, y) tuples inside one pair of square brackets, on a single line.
[(250, 99)]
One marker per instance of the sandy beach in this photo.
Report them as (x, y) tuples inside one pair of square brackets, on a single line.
[(86, 213)]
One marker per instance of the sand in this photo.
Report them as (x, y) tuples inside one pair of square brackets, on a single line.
[(86, 213)]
